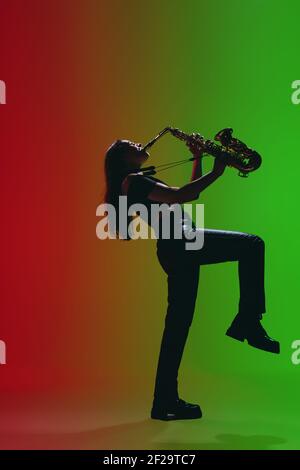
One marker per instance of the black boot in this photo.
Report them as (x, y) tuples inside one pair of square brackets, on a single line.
[(179, 409), (251, 329)]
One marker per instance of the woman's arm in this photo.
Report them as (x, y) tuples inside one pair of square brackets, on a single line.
[(197, 152), (197, 171)]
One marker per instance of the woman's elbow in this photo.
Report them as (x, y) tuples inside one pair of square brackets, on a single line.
[(183, 196)]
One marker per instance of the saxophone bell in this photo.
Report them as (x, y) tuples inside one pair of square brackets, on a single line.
[(245, 159)]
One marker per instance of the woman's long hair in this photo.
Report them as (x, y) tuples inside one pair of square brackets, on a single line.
[(116, 170)]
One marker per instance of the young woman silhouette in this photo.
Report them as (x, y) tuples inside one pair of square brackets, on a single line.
[(122, 163)]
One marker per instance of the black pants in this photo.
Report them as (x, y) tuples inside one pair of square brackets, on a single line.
[(182, 267)]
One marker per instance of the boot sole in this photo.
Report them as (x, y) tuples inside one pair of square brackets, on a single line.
[(174, 417)]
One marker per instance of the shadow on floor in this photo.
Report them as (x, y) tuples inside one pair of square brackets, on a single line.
[(228, 442), (146, 434)]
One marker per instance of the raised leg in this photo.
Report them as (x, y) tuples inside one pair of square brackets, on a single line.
[(249, 250)]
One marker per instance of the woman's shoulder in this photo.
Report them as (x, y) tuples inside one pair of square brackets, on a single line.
[(128, 180)]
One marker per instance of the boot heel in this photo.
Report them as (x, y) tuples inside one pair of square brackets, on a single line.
[(236, 335)]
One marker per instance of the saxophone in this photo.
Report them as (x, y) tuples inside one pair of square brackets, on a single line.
[(232, 151)]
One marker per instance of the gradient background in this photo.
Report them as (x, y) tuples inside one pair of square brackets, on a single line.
[(83, 318)]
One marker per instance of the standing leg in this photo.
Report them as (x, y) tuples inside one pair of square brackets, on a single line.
[(182, 293)]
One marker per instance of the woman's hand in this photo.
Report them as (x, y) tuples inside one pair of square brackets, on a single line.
[(195, 149)]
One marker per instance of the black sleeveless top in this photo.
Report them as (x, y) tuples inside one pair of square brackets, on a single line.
[(139, 188)]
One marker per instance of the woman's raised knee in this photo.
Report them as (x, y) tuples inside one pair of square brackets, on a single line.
[(256, 240)]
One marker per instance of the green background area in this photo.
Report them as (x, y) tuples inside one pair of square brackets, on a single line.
[(212, 65), (83, 318)]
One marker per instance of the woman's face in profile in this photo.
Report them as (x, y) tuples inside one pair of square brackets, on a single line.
[(135, 156)]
